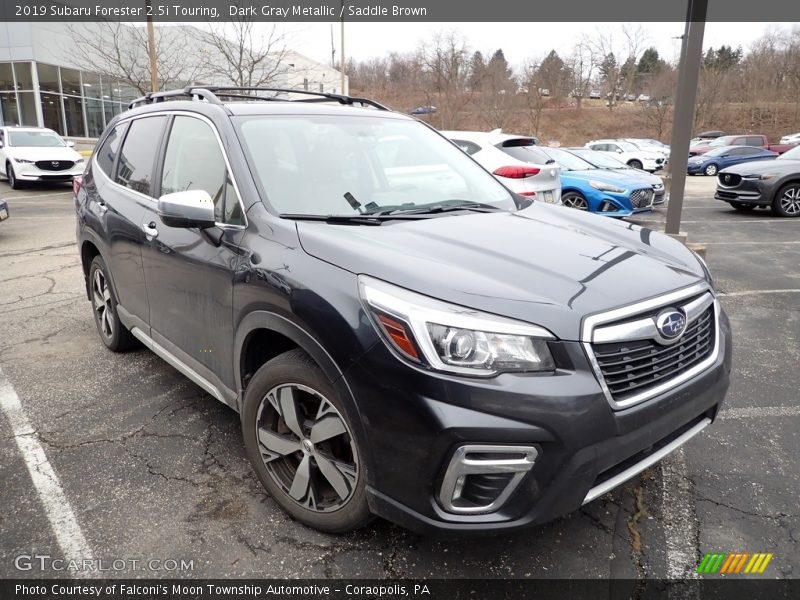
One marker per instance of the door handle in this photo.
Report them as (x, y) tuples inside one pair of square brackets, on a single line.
[(150, 230)]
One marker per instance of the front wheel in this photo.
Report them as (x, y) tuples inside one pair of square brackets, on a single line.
[(711, 170), (787, 202), (574, 200), (635, 164), (301, 445), (11, 175)]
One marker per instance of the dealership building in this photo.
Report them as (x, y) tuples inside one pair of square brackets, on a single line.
[(44, 84)]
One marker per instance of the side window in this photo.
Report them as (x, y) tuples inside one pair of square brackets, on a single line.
[(135, 165), (107, 153), (194, 161), (468, 147), (755, 141), (612, 147), (736, 151)]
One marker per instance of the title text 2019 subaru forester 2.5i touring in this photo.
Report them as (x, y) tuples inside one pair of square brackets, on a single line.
[(400, 334)]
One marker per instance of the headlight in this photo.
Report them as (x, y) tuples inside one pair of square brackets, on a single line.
[(606, 187), (24, 161), (78, 161), (766, 176), (452, 338)]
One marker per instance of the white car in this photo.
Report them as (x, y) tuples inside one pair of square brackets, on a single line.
[(514, 161), (630, 154), (792, 138), (652, 145), (36, 154)]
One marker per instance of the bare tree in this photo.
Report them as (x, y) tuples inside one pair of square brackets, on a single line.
[(532, 88), (582, 65), (119, 51), (445, 62), (658, 111), (243, 56)]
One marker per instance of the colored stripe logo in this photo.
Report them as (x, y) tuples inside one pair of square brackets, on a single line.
[(735, 563)]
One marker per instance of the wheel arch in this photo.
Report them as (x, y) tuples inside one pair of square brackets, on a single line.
[(794, 178)]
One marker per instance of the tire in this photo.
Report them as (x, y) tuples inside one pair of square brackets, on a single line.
[(113, 333), (787, 201), (711, 170), (574, 200), (11, 175), (742, 207), (315, 473), (635, 164)]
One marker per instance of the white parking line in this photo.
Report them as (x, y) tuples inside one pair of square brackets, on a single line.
[(757, 292), (751, 243), (56, 506), (680, 520), (754, 412), (28, 196)]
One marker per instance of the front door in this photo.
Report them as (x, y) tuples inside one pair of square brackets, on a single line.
[(189, 272)]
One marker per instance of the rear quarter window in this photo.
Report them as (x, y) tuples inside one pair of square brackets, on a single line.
[(107, 153)]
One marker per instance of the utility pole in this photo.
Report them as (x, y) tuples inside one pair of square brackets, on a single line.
[(685, 97), (341, 58), (151, 48)]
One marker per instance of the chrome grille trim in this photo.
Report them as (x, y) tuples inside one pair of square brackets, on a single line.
[(701, 298)]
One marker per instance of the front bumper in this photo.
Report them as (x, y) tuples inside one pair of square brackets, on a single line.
[(30, 172), (416, 420), (748, 191), (695, 168)]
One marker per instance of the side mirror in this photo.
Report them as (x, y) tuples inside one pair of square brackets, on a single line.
[(192, 208), (70, 144), (619, 150)]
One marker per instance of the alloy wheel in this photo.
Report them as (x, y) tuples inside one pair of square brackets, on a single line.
[(711, 170), (307, 447), (101, 300), (790, 201), (575, 201)]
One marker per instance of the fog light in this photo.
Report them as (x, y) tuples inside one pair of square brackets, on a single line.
[(480, 479)]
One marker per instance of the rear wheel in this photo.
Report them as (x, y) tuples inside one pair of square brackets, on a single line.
[(635, 164), (787, 202), (711, 170), (301, 445), (112, 332), (12, 177), (574, 200)]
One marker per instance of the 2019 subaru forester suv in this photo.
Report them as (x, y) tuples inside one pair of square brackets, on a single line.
[(401, 334)]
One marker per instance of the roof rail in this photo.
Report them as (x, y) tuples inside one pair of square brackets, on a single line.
[(212, 93)]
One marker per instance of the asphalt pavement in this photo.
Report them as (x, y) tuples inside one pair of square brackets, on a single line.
[(117, 457)]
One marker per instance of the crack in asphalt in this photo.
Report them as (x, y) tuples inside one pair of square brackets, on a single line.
[(776, 517)]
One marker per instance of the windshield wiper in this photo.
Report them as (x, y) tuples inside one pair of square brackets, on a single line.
[(362, 219), (435, 208)]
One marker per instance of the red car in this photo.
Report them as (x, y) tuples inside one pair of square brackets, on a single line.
[(759, 141)]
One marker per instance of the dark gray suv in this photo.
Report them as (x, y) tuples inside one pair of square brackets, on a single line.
[(401, 335)]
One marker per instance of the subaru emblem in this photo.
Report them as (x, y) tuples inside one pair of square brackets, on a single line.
[(671, 323)]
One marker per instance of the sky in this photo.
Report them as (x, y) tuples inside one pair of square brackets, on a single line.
[(519, 41)]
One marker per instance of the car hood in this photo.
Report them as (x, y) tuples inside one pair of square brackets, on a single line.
[(547, 265), (632, 176), (54, 153), (612, 176), (757, 167)]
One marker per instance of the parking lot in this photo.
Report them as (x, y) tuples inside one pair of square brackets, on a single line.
[(144, 465)]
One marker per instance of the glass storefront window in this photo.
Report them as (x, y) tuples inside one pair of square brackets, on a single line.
[(8, 107), (91, 85), (73, 110), (27, 107), (108, 110), (94, 117), (48, 78), (23, 72), (51, 111), (71, 82), (6, 77)]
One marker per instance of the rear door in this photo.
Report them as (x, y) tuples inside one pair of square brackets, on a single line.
[(189, 272), (119, 192)]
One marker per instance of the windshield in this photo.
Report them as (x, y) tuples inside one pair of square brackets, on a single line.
[(599, 159), (35, 139), (793, 154), (721, 141), (351, 165), (566, 160), (627, 146)]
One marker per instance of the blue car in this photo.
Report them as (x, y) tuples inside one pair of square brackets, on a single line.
[(605, 192), (712, 161)]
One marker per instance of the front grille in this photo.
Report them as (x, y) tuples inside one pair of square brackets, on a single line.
[(54, 165), (633, 367), (659, 161), (484, 489), (723, 194), (729, 179), (642, 198)]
